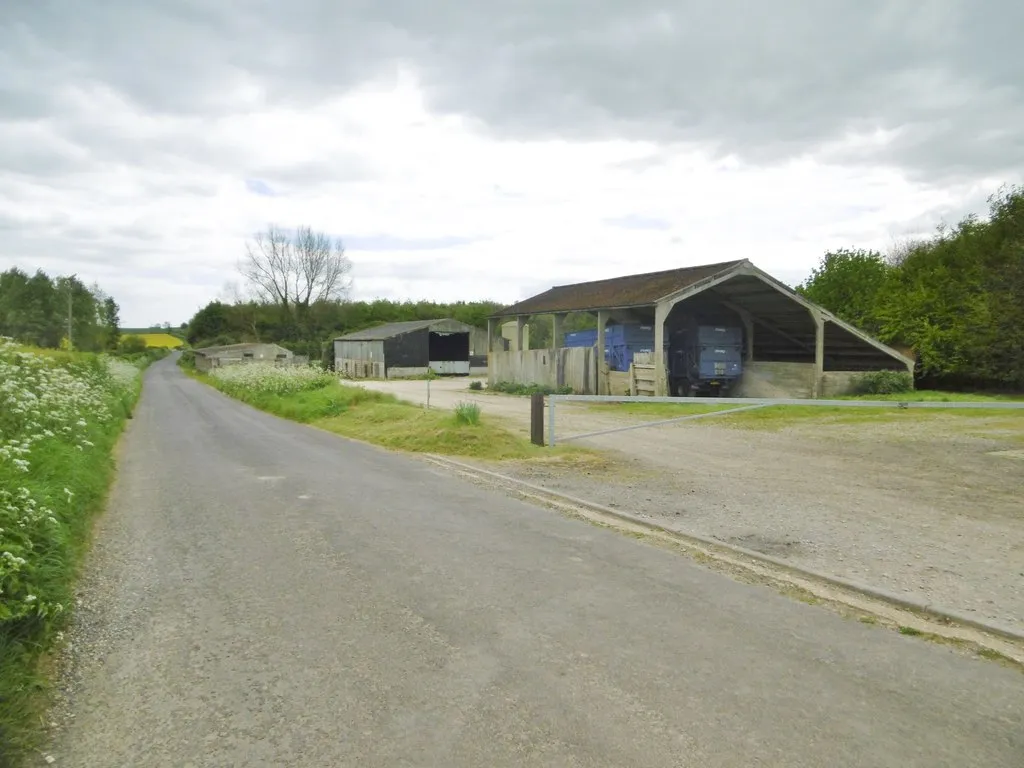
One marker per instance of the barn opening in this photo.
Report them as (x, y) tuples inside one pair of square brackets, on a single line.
[(447, 348)]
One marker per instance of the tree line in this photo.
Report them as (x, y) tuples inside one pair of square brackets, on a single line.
[(227, 323), (956, 299), (58, 312)]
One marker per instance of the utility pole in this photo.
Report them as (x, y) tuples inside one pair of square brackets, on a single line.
[(71, 344)]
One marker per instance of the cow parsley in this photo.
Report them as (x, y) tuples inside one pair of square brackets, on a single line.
[(48, 404)]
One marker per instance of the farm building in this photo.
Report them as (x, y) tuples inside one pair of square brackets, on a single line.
[(233, 354), (398, 350), (726, 329)]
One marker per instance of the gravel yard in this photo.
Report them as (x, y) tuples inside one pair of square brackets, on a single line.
[(926, 505)]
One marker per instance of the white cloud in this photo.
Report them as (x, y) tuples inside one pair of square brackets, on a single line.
[(113, 171)]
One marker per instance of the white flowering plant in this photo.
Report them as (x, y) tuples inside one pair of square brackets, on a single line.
[(268, 378), (59, 416)]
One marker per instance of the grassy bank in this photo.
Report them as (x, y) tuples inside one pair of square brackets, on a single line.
[(317, 398), (778, 417), (61, 416)]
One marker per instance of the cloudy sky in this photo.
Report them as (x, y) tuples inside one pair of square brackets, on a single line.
[(491, 149)]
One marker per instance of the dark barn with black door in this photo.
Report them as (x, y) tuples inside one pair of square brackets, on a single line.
[(398, 350)]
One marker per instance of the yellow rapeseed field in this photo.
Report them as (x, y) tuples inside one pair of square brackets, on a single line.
[(161, 340)]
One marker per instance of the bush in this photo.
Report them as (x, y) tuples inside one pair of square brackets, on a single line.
[(884, 383), (467, 413), (512, 388), (476, 385), (132, 345)]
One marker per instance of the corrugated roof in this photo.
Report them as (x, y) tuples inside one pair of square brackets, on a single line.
[(390, 330), (243, 345), (617, 292)]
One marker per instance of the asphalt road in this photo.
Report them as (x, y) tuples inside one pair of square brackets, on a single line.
[(264, 594)]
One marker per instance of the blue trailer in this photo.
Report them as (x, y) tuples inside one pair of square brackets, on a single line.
[(704, 359), (700, 358), (621, 342)]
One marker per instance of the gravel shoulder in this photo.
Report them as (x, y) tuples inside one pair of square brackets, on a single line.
[(924, 508)]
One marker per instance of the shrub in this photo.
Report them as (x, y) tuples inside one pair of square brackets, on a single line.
[(884, 383), (132, 345), (467, 413), (512, 388), (476, 385)]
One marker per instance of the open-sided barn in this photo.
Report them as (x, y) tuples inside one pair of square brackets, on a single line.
[(397, 350), (730, 326)]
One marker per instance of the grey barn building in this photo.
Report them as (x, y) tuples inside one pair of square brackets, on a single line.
[(398, 350), (786, 346), (209, 358)]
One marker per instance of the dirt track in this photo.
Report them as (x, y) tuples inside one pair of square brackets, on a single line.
[(922, 507)]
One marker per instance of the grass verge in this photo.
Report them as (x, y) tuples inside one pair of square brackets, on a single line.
[(382, 419), (782, 416), (56, 465)]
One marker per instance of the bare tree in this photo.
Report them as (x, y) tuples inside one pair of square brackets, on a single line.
[(247, 304), (296, 270)]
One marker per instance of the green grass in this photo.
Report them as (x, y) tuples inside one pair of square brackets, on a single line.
[(931, 396), (381, 419), (27, 644), (467, 413), (781, 416)]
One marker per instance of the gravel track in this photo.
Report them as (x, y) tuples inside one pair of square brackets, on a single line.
[(925, 509)]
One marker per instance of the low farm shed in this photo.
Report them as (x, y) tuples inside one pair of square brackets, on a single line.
[(209, 358), (398, 350), (726, 327)]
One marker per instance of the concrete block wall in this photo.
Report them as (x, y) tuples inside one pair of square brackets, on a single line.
[(837, 383), (764, 379), (770, 379)]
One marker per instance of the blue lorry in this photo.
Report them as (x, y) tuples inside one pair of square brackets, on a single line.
[(701, 359)]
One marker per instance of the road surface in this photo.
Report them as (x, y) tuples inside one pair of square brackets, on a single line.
[(264, 594)]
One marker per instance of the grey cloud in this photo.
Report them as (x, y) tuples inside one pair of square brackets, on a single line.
[(764, 81), (339, 169)]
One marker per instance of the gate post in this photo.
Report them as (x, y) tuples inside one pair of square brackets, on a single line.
[(537, 418)]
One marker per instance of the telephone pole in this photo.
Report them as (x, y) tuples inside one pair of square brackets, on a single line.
[(69, 288), (71, 344)]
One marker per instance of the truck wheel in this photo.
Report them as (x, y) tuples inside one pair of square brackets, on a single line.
[(682, 388)]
